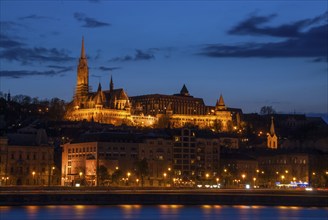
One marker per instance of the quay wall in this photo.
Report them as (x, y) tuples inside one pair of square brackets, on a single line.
[(155, 198)]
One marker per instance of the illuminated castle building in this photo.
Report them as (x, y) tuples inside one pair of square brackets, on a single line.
[(113, 106)]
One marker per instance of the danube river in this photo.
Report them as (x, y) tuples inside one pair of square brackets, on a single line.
[(92, 212)]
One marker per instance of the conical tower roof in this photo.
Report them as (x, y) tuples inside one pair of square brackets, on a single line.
[(184, 90), (221, 101), (220, 105)]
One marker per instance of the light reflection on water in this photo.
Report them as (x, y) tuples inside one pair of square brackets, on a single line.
[(171, 212)]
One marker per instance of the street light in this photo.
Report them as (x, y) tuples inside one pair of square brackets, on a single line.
[(282, 178), (164, 175), (33, 173), (80, 177), (52, 174), (128, 176), (254, 179)]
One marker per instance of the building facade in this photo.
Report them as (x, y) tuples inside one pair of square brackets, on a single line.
[(174, 157), (27, 159), (82, 158)]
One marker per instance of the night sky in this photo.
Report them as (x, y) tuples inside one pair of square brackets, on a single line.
[(254, 53)]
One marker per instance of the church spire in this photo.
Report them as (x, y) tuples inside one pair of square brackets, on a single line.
[(272, 139), (272, 131), (99, 87), (82, 49), (82, 84), (111, 84)]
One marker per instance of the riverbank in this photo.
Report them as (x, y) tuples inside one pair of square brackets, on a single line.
[(160, 197)]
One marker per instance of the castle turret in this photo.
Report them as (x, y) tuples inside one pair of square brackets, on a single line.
[(184, 91), (220, 105)]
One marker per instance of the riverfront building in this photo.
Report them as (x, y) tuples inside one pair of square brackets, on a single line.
[(26, 158), (175, 156)]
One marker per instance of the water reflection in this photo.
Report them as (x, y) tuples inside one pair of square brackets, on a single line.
[(171, 212)]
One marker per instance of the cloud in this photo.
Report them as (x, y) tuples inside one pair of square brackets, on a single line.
[(254, 26), (103, 68), (62, 69), (33, 17), (319, 60), (9, 26), (9, 42), (138, 56), (89, 22), (23, 73), (38, 54), (307, 43)]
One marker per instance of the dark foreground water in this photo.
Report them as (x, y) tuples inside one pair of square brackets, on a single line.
[(171, 212)]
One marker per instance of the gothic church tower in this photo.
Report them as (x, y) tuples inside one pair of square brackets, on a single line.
[(82, 84), (272, 139)]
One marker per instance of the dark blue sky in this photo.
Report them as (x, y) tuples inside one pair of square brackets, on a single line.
[(255, 53)]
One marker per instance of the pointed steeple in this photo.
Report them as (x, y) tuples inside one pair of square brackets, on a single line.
[(99, 87), (221, 101), (272, 131), (111, 84), (220, 105), (82, 83), (82, 49), (184, 91), (272, 139)]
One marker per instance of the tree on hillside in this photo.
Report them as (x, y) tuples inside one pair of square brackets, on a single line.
[(267, 110)]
